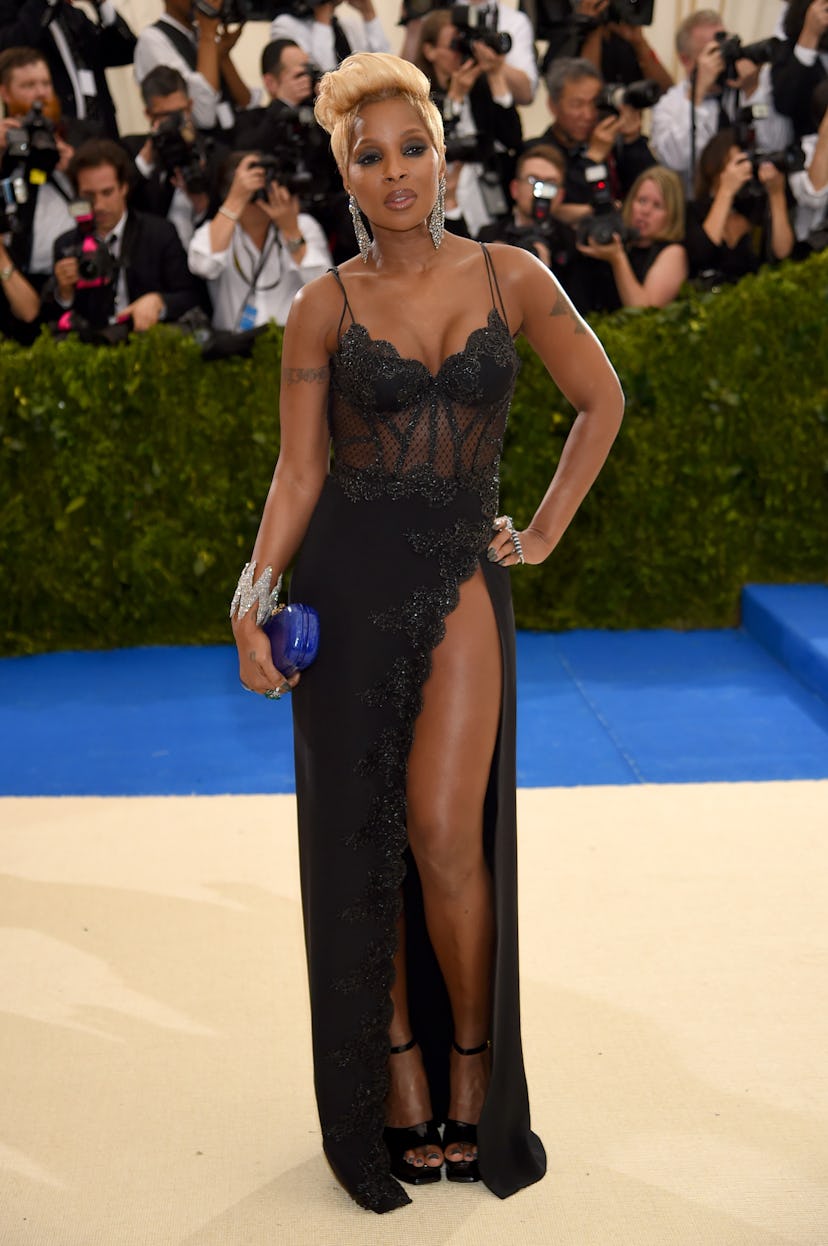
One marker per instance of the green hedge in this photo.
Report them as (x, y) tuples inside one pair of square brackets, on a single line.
[(132, 477)]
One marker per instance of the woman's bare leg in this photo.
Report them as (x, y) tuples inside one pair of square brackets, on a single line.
[(408, 1102), (448, 772)]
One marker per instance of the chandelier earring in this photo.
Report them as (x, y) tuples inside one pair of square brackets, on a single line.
[(362, 236), (437, 218)]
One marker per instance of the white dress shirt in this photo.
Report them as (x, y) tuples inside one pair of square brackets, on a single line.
[(51, 219), (230, 273), (317, 38), (471, 205), (811, 204), (670, 137)]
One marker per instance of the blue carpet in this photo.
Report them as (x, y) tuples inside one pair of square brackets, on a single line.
[(593, 708)]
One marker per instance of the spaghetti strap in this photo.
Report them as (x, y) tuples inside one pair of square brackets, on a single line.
[(346, 306), (492, 275)]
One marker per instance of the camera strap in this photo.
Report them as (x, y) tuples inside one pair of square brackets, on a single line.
[(247, 315)]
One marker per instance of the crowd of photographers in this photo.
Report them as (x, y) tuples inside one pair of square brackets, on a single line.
[(230, 201)]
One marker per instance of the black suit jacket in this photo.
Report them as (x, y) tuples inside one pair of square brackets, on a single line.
[(153, 260), (21, 25), (793, 85)]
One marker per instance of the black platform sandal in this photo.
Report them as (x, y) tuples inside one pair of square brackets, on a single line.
[(400, 1140), (459, 1133)]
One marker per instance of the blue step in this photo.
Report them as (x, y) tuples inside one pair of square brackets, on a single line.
[(791, 622)]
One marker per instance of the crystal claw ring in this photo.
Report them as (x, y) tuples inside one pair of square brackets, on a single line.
[(273, 694)]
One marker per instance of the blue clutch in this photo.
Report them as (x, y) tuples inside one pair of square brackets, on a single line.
[(294, 637)]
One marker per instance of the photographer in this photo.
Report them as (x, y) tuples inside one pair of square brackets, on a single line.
[(19, 302), (287, 79), (77, 51), (199, 47), (258, 250), (503, 31), (690, 113), (649, 264), (35, 159), (801, 62), (143, 275), (734, 199), (328, 37), (288, 130), (177, 167), (482, 124), (590, 130), (617, 46), (537, 193)]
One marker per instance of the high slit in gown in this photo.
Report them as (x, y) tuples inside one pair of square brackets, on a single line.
[(404, 518)]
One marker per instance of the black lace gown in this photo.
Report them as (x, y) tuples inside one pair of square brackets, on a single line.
[(404, 518)]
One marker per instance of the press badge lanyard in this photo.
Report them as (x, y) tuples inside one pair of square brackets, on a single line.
[(247, 315)]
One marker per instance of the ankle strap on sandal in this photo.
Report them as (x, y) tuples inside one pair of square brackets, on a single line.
[(471, 1051), (398, 1051)]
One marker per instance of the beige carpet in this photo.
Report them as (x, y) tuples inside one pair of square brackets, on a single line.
[(156, 1082)]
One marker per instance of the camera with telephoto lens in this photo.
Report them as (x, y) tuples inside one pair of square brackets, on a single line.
[(606, 220), (31, 148), (30, 155), (300, 148), (614, 95), (96, 265), (476, 27), (296, 180), (732, 50), (94, 300), (790, 160), (179, 147)]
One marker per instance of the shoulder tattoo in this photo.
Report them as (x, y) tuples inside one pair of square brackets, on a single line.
[(312, 375), (564, 308)]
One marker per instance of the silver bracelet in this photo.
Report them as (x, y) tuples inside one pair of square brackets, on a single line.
[(509, 525), (247, 592), (231, 216)]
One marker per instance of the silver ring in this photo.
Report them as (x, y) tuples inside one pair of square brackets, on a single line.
[(509, 524), (273, 694), (518, 547)]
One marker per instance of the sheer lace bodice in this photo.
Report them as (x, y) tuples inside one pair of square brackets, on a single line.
[(398, 429)]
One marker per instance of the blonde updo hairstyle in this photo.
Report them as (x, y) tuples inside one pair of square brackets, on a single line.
[(368, 78)]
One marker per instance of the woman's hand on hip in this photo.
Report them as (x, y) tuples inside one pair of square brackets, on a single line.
[(509, 547)]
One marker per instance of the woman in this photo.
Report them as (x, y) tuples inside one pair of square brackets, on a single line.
[(737, 221), (258, 249), (404, 725), (476, 102), (650, 270)]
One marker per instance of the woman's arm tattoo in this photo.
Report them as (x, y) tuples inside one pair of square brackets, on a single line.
[(564, 308), (292, 375)]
